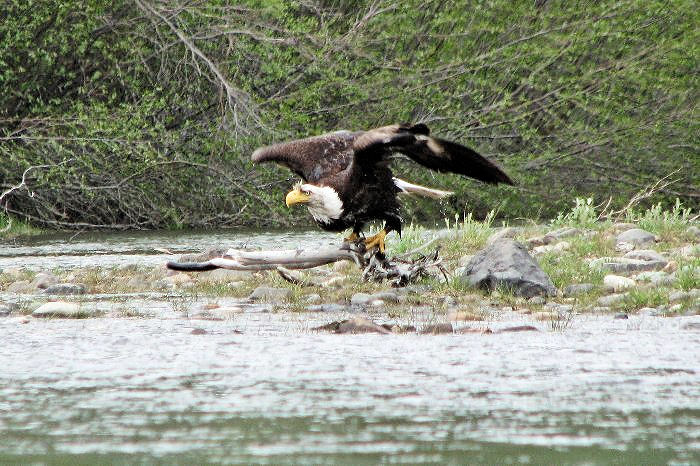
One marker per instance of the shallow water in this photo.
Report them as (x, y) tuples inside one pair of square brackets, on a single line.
[(263, 387)]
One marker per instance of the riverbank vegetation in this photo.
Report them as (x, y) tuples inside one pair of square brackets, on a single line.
[(144, 114)]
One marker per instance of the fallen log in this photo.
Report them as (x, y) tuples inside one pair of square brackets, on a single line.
[(376, 267), (236, 259)]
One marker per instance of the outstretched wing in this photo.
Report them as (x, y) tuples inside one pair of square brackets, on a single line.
[(434, 153), (312, 158)]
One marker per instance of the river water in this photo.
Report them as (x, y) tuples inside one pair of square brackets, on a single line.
[(264, 388)]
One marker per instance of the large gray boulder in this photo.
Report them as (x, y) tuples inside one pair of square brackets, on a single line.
[(506, 263)]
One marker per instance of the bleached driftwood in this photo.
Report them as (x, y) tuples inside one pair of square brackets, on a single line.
[(236, 259)]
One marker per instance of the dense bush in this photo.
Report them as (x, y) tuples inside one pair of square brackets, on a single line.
[(146, 112)]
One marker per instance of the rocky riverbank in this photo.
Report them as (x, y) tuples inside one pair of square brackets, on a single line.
[(545, 276)]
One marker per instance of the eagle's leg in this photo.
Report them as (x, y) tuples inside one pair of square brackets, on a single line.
[(355, 235), (376, 241)]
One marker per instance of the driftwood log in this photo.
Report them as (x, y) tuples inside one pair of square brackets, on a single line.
[(376, 267)]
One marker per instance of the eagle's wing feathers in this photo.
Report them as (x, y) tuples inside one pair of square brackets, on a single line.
[(437, 154), (311, 158)]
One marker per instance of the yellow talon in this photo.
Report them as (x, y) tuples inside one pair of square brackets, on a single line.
[(376, 240), (352, 238)]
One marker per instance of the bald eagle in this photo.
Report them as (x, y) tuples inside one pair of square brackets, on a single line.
[(347, 181)]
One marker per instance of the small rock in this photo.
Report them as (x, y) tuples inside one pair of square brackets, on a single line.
[(684, 295), (268, 293), (414, 289), (61, 309), (507, 263), (635, 236), (519, 328), (545, 316), (507, 232), (360, 299), (671, 267), (223, 276), (645, 255), (564, 232), (437, 329), (198, 331), (330, 307), (65, 288), (607, 301), (621, 315), (648, 312), (618, 283), (313, 298), (20, 286), (656, 278), (360, 325), (44, 280), (537, 300), (693, 231), (558, 247), (578, 289), (600, 309), (626, 265), (4, 310)]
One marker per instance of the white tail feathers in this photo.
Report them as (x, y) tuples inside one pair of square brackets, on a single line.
[(410, 188)]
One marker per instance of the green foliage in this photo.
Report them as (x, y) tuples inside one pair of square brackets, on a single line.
[(664, 222), (582, 215), (688, 276), (575, 100), (638, 298)]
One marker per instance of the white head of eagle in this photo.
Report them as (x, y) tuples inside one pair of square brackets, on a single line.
[(323, 202)]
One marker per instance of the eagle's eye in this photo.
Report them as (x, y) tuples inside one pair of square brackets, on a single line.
[(305, 191)]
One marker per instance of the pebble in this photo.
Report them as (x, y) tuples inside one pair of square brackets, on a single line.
[(656, 278), (360, 325), (600, 309), (564, 232), (688, 251), (558, 247), (621, 315), (65, 288), (693, 231), (66, 310), (609, 300), (578, 289), (313, 298), (5, 310), (537, 300), (44, 280), (618, 283), (648, 311), (330, 307), (198, 331), (449, 301), (360, 299), (269, 293), (544, 316)]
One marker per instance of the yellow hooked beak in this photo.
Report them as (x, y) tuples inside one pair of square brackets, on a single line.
[(296, 197)]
